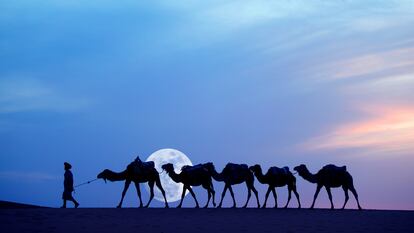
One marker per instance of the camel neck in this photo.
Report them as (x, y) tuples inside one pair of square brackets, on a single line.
[(308, 176), (117, 176), (217, 176), (174, 176), (260, 177)]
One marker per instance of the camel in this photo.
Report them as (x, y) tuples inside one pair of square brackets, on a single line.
[(137, 172), (192, 176), (234, 174), (276, 177), (330, 176)]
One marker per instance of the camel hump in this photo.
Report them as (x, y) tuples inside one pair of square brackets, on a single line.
[(278, 170), (149, 164), (186, 167), (144, 165), (334, 167)]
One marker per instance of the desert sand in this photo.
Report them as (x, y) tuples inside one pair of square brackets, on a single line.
[(202, 220)]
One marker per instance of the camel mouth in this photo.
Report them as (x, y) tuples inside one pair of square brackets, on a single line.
[(166, 167), (101, 176)]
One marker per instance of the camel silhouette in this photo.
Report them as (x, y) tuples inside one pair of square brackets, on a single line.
[(137, 172), (276, 177), (234, 174), (192, 176), (330, 176)]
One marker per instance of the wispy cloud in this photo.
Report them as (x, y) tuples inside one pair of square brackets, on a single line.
[(365, 65), (27, 94), (387, 129), (395, 88), (27, 176)]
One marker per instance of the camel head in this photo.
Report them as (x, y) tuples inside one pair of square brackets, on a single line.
[(168, 167), (103, 175), (255, 168), (301, 169)]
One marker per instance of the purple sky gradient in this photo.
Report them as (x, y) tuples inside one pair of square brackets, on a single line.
[(276, 83)]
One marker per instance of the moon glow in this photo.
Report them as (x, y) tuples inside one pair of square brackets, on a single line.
[(172, 190)]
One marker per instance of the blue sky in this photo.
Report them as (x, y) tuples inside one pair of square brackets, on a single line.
[(276, 83)]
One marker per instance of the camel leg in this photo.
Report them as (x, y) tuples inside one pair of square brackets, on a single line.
[(126, 186), (346, 196), (267, 196), (249, 194), (330, 196), (151, 186), (257, 196), (354, 192), (182, 196), (158, 183), (318, 189), (289, 196), (213, 193), (250, 187), (193, 194), (223, 194), (232, 196), (274, 196), (297, 195), (208, 188), (138, 193)]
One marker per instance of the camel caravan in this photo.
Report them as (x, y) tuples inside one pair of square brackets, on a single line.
[(330, 176)]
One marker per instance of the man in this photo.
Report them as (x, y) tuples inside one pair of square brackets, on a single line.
[(68, 186)]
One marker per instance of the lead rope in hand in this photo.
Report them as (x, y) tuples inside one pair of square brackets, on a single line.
[(88, 182)]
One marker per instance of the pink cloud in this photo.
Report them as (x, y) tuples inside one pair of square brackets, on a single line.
[(386, 129)]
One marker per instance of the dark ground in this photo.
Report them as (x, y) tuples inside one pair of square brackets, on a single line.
[(203, 220)]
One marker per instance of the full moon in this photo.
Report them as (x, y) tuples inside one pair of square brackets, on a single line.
[(172, 190)]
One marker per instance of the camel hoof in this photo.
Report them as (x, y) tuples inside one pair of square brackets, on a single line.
[(263, 207)]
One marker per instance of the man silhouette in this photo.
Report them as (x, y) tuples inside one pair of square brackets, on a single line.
[(68, 186)]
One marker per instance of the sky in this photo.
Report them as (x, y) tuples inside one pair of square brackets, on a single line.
[(276, 83)]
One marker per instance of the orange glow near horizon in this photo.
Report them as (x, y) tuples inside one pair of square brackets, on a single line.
[(388, 129)]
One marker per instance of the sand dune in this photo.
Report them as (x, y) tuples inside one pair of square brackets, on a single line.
[(203, 220)]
